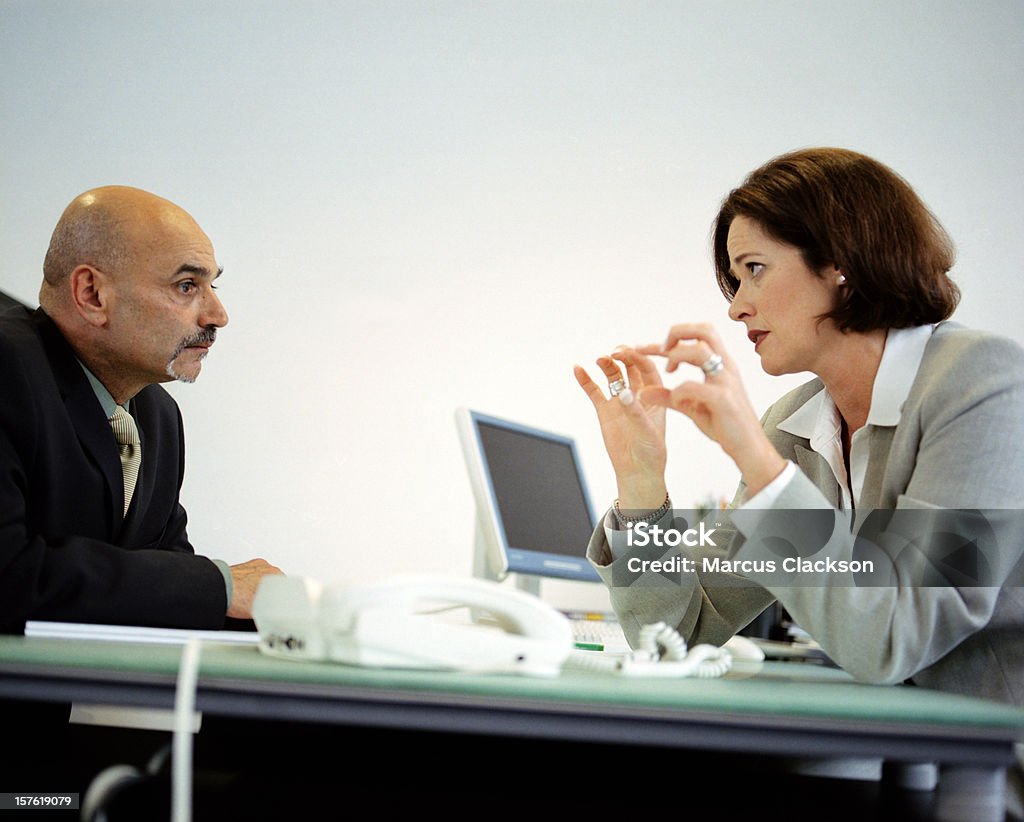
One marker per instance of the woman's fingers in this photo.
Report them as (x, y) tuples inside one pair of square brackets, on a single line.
[(639, 367), (610, 368), (704, 332), (696, 344), (656, 395), (617, 384), (590, 388), (693, 353), (632, 374)]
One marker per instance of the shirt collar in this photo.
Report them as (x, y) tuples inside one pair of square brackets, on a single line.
[(817, 419), (904, 350), (100, 390)]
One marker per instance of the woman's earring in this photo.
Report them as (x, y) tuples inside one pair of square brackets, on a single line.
[(841, 279)]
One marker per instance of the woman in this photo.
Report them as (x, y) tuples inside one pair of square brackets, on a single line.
[(837, 268)]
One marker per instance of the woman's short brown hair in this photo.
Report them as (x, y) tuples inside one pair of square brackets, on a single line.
[(844, 209)]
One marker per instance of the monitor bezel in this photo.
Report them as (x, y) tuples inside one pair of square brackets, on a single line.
[(494, 557)]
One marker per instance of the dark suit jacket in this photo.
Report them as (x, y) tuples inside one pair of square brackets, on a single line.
[(66, 552)]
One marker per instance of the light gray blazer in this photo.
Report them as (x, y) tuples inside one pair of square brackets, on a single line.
[(959, 444)]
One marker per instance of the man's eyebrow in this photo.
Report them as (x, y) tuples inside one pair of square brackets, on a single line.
[(198, 270)]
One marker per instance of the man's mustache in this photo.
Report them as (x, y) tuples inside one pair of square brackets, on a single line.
[(207, 335)]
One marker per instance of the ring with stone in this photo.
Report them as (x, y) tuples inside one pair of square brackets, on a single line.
[(712, 365), (617, 387)]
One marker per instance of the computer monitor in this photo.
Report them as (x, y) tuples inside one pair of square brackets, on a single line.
[(534, 516)]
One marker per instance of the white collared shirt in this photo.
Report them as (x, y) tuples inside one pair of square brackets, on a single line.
[(819, 422)]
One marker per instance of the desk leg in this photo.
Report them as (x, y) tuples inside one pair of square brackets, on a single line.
[(971, 793)]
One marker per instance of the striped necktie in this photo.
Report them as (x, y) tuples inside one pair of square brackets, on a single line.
[(123, 426)]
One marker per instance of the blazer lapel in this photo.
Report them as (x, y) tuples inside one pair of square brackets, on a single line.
[(878, 460), (818, 471)]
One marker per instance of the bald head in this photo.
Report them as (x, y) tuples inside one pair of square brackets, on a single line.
[(129, 281), (106, 228)]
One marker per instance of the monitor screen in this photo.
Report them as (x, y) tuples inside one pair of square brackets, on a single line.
[(533, 511)]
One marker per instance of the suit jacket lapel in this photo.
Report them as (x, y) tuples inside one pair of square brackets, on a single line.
[(96, 438), (85, 413)]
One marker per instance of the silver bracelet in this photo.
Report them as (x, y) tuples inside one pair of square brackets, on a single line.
[(651, 516)]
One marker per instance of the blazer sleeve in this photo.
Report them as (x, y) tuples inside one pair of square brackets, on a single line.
[(648, 584)]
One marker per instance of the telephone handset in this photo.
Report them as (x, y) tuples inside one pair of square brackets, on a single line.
[(388, 624)]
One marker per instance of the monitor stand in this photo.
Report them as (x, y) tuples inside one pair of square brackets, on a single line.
[(483, 567), (528, 583)]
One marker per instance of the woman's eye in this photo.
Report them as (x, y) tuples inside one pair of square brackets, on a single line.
[(755, 268)]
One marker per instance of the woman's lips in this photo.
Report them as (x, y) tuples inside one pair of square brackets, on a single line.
[(757, 337)]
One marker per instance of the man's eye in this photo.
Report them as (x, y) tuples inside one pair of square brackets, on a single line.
[(186, 286)]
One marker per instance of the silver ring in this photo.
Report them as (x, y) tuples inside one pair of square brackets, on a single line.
[(617, 387), (712, 365)]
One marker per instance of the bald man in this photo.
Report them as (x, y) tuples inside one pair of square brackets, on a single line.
[(128, 301)]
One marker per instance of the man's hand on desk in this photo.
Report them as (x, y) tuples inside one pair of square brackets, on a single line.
[(246, 578)]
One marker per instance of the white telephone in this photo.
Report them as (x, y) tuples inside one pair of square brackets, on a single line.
[(387, 624)]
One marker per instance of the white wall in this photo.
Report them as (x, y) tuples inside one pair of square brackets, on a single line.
[(426, 204)]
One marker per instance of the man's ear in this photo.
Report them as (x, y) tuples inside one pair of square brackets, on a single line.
[(88, 287)]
